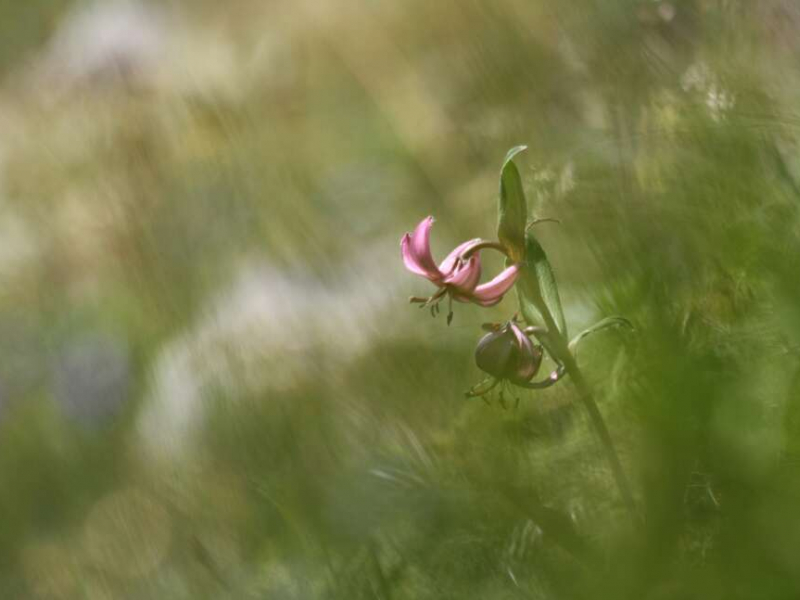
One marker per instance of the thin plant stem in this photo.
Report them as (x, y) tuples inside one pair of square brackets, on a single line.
[(561, 352), (599, 424)]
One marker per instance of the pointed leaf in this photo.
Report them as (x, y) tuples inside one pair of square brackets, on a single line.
[(606, 323), (538, 292), (513, 208)]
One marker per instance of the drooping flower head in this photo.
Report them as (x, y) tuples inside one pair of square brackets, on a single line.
[(507, 353), (458, 275)]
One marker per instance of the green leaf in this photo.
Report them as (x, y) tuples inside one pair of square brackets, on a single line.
[(538, 292), (606, 323), (512, 209)]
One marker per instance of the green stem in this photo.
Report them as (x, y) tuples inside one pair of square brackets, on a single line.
[(567, 358), (586, 397), (483, 246)]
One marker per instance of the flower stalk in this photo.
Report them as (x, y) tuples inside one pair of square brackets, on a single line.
[(586, 397)]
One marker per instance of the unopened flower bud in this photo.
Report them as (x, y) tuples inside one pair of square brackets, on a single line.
[(507, 353)]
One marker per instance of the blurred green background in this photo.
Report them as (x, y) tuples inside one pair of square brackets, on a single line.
[(212, 385)]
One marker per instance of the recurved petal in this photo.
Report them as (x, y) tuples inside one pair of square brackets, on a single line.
[(416, 251), (529, 357), (409, 260), (448, 263), (459, 297), (465, 277), (491, 292), (528, 365), (523, 340)]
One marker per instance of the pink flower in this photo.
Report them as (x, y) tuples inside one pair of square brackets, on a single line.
[(457, 276)]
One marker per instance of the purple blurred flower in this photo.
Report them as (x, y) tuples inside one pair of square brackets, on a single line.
[(92, 378)]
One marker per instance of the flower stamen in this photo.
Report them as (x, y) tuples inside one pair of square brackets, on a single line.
[(476, 392), (449, 309)]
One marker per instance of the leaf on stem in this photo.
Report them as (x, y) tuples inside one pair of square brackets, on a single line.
[(537, 289), (513, 208), (606, 323)]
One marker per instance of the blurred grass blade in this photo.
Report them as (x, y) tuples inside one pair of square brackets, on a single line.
[(537, 289), (513, 209), (606, 323)]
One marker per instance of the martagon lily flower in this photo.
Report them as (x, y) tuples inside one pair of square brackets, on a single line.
[(458, 275)]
